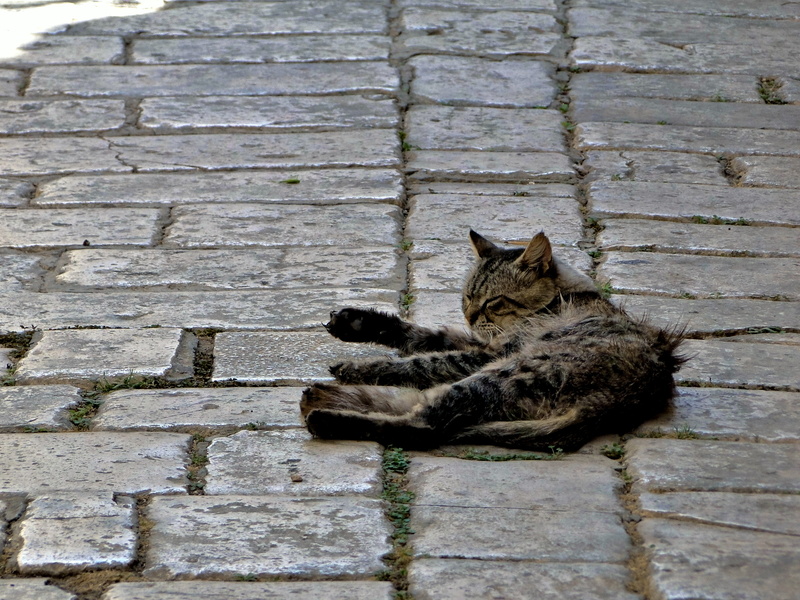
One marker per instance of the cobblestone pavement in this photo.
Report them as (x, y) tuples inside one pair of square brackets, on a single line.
[(188, 188)]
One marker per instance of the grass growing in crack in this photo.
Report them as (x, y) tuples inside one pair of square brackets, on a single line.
[(81, 414), (406, 300), (19, 344), (613, 451), (472, 454), (399, 499), (606, 290), (769, 90), (196, 469)]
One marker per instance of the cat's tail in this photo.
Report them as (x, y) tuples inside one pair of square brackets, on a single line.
[(668, 342)]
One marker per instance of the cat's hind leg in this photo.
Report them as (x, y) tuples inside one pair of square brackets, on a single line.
[(406, 431), (359, 399)]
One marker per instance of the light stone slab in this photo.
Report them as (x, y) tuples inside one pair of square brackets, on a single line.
[(306, 48), (774, 513), (10, 82), (754, 415), (790, 89), (37, 407), (292, 463), (490, 166), (685, 201), (366, 148), (54, 156), (14, 192), (487, 129), (208, 536), (65, 49), (279, 113), (529, 190), (60, 116), (488, 5), (434, 309), (242, 225), (672, 167), (722, 362), (667, 465), (719, 563), (512, 218), (327, 186), (273, 407), (766, 9), (82, 355), (76, 227), (33, 588), (271, 268), (291, 358), (215, 80), (21, 272), (451, 80), (129, 463), (443, 579), (246, 590), (767, 171)]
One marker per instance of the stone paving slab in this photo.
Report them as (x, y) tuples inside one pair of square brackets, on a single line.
[(208, 536), (512, 218), (20, 272), (488, 5), (443, 579), (481, 128), (719, 563), (129, 463), (490, 166), (275, 407), (328, 186), (76, 227), (790, 89), (663, 167), (684, 201), (306, 48), (434, 309), (528, 190), (61, 116), (755, 415), (768, 9), (283, 358), (35, 588), (245, 590), (286, 225), (671, 237), (292, 463), (669, 465), (37, 407), (214, 80), (767, 171), (14, 192), (267, 112), (83, 355), (10, 82), (54, 156), (66, 50), (451, 80)]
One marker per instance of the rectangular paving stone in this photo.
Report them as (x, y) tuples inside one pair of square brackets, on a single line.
[(434, 309), (663, 167), (248, 590), (53, 156), (488, 5), (128, 463), (480, 128), (82, 355), (528, 190), (766, 171), (60, 116), (37, 407), (292, 463), (790, 89), (10, 82), (33, 588), (214, 80), (667, 465), (525, 167), (684, 202), (14, 192), (443, 579), (207, 536), (304, 48), (65, 49), (76, 227), (283, 358), (719, 563), (229, 269), (327, 186), (242, 225), (273, 407), (730, 8), (451, 80), (281, 112), (22, 271)]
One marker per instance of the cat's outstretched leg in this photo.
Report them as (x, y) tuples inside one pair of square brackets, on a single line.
[(360, 399), (563, 432)]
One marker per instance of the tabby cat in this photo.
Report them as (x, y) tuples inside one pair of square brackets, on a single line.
[(548, 363)]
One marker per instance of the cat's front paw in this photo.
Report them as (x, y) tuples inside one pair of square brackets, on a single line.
[(347, 372), (350, 324)]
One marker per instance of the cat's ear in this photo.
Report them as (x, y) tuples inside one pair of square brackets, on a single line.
[(538, 255), (481, 245)]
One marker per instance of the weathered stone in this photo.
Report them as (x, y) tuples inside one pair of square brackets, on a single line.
[(267, 112), (666, 465), (789, 90), (766, 9), (672, 167), (78, 227), (215, 80), (451, 80), (20, 272), (14, 192), (719, 563), (37, 407), (39, 116), (490, 166), (10, 82), (720, 239), (83, 355), (285, 358), (53, 156), (529, 190), (511, 218), (202, 407), (443, 579), (723, 362), (72, 533), (292, 463), (295, 225), (767, 171), (741, 414), (775, 513), (479, 128), (35, 588), (489, 5), (64, 49), (434, 309), (229, 269), (683, 201), (128, 463), (328, 186), (306, 48), (239, 590), (207, 536)]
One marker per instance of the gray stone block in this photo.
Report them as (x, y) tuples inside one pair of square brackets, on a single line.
[(664, 167), (767, 171), (10, 82), (65, 49), (245, 590), (434, 309), (527, 167), (53, 156), (36, 407), (14, 192), (488, 5), (61, 116), (528, 190), (768, 9), (21, 272), (34, 588)]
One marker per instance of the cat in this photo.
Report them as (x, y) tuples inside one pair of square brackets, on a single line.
[(548, 363)]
